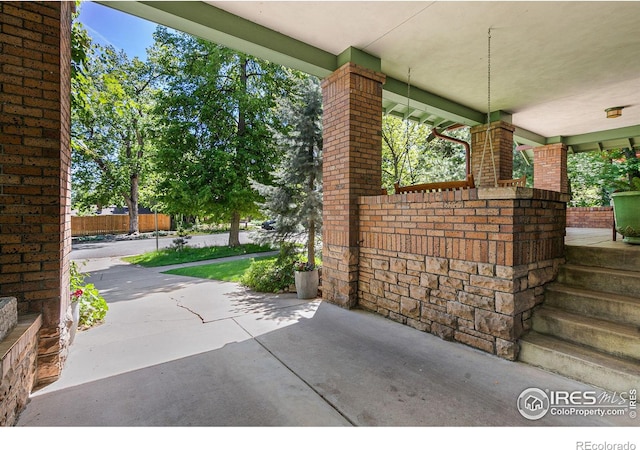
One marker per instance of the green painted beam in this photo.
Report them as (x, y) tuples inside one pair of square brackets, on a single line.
[(211, 23), (500, 115), (529, 137), (360, 58), (601, 136), (396, 91)]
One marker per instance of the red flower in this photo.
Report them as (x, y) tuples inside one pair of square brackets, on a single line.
[(77, 293)]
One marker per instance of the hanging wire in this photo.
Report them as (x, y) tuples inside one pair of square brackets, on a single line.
[(488, 134)]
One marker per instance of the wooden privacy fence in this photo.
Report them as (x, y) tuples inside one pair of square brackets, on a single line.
[(116, 224)]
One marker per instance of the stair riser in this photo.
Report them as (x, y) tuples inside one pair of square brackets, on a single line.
[(615, 283), (610, 379), (626, 258), (617, 311), (603, 340)]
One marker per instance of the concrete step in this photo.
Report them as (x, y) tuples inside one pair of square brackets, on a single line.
[(622, 257), (613, 307), (609, 337), (580, 363), (614, 281)]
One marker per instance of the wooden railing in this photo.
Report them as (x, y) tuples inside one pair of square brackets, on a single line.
[(437, 187), (515, 182)]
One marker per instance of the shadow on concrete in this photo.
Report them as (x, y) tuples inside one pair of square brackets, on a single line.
[(337, 367)]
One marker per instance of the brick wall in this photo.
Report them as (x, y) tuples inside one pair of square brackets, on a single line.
[(593, 217), (352, 124), (500, 148), (550, 168), (35, 233), (467, 266)]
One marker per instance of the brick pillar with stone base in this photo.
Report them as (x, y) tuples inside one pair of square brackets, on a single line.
[(550, 168), (352, 167), (35, 158), (494, 152)]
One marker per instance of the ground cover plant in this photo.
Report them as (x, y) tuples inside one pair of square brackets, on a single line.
[(166, 257), (231, 271)]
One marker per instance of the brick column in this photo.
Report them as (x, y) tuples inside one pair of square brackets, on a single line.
[(352, 154), (35, 186), (502, 144), (550, 168)]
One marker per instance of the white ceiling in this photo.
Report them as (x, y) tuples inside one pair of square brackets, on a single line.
[(555, 66)]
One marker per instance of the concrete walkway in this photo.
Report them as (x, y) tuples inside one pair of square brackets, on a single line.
[(178, 351)]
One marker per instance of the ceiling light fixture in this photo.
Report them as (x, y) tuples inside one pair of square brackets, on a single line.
[(614, 112)]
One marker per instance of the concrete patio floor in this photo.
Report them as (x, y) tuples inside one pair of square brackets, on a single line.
[(596, 237), (179, 351)]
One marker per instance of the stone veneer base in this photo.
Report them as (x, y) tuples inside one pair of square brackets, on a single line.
[(18, 361), (466, 265)]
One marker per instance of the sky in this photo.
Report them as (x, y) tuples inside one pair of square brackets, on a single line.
[(107, 26)]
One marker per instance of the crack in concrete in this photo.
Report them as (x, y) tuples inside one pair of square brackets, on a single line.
[(180, 305)]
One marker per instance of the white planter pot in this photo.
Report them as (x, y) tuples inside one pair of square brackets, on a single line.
[(307, 284), (75, 313)]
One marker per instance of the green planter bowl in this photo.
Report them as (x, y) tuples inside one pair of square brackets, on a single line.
[(626, 210)]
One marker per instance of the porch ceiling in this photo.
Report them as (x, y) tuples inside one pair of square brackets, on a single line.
[(555, 66)]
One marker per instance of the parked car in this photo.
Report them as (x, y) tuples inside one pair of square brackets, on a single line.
[(269, 225)]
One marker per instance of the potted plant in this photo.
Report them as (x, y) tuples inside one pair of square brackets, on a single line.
[(75, 312), (88, 307), (306, 279), (624, 177)]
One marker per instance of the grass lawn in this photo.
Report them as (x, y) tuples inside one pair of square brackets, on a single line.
[(167, 257), (224, 271)]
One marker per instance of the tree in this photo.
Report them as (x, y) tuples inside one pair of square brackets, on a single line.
[(410, 154), (522, 165), (295, 198), (110, 132), (217, 124), (585, 172), (80, 51)]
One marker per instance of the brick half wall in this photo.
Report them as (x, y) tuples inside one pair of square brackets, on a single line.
[(468, 266), (593, 217)]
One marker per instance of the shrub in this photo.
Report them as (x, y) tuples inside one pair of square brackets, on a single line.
[(272, 275), (181, 241), (93, 307)]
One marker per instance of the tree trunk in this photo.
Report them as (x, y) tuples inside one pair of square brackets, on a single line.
[(234, 232), (132, 203), (311, 245)]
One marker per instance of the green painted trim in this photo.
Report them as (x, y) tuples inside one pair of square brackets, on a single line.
[(555, 140), (529, 137), (625, 133), (211, 23), (396, 91), (360, 58), (501, 116)]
